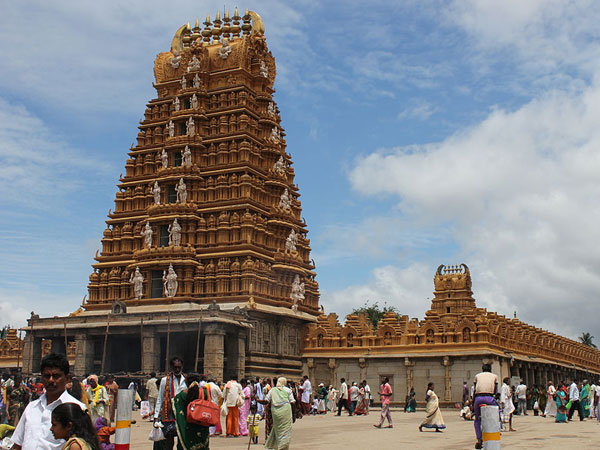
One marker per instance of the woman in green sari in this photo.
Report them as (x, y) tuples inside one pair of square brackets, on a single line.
[(190, 436), (585, 398), (280, 398)]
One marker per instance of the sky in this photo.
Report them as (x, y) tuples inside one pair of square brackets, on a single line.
[(422, 133)]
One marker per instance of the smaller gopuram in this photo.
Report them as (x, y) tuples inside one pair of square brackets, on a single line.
[(447, 347), (206, 254)]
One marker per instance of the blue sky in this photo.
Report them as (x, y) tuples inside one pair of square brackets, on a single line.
[(422, 133)]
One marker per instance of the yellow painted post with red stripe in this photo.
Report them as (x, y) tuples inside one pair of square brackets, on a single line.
[(123, 425)]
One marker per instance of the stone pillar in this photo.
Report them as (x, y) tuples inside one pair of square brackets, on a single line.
[(332, 371), (214, 351), (409, 374), (32, 354), (241, 354), (447, 379), (279, 338), (150, 351), (84, 354), (363, 363), (310, 363)]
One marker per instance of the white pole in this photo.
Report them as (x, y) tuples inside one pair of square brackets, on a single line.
[(123, 426), (490, 427)]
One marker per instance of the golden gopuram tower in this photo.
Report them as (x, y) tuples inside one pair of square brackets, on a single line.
[(205, 255)]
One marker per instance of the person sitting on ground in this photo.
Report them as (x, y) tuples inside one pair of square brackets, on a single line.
[(466, 412), (561, 414)]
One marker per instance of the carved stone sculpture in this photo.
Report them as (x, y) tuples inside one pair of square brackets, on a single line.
[(297, 294), (271, 109), (290, 242), (183, 82), (285, 202), (177, 103), (164, 158), (156, 193), (194, 64), (186, 157), (264, 70), (147, 235), (175, 234), (279, 166), (225, 50), (171, 128), (137, 279), (275, 135), (181, 190), (197, 82), (170, 282), (190, 127), (194, 102), (175, 60)]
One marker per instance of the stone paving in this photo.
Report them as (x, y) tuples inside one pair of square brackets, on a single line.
[(357, 433)]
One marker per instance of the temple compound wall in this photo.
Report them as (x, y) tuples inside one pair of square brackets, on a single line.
[(205, 255), (447, 347)]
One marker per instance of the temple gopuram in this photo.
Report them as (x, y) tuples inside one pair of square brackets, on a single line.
[(205, 255), (447, 347)]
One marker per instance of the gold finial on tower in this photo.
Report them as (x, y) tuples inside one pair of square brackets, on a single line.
[(186, 39), (196, 31), (246, 27), (216, 31), (235, 28), (206, 33), (226, 26)]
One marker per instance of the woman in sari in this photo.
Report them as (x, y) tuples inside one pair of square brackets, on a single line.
[(585, 398), (191, 436), (267, 408), (433, 415), (542, 400), (362, 402), (280, 399), (561, 401), (245, 408), (410, 404)]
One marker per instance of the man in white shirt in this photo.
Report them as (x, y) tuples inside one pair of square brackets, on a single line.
[(574, 399), (368, 395), (306, 389), (170, 386), (521, 393), (353, 397), (343, 401), (33, 431), (233, 398), (215, 395)]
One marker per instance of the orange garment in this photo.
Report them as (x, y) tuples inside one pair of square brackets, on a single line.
[(233, 418), (104, 434)]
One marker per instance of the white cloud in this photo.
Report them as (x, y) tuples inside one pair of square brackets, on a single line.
[(521, 191), (421, 110)]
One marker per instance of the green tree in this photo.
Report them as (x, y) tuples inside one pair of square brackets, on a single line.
[(587, 339), (375, 312)]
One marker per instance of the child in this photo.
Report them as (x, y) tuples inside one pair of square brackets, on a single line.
[(561, 414), (253, 419), (104, 432), (72, 424)]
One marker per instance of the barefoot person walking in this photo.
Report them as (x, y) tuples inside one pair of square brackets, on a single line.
[(433, 415), (385, 391)]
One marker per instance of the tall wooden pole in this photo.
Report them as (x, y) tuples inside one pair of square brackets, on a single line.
[(31, 350), (142, 345), (66, 340), (168, 340), (19, 353), (104, 346), (198, 345)]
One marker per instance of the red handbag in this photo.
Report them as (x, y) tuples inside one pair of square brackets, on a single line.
[(202, 411)]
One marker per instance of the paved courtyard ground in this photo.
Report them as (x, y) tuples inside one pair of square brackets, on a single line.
[(357, 433)]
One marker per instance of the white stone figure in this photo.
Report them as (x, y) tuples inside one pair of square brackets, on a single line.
[(183, 82), (279, 166), (137, 279), (156, 192), (190, 127), (194, 102), (271, 109), (285, 202), (164, 158), (264, 70), (186, 157), (297, 294), (147, 235), (197, 82), (194, 64), (181, 191), (177, 103), (170, 282), (225, 49), (290, 242), (175, 234), (175, 60), (275, 135), (171, 128)]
